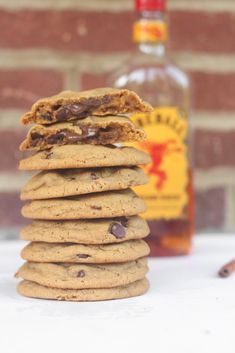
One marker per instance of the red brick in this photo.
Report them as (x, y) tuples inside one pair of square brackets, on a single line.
[(106, 31), (210, 91), (21, 88), (213, 148), (10, 206), (89, 81), (210, 209), (67, 30), (203, 31), (9, 144), (213, 91)]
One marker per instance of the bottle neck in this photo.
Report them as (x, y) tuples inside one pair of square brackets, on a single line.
[(159, 50), (150, 33)]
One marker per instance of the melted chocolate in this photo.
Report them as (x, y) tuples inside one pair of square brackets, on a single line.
[(36, 138), (47, 117), (101, 135), (80, 110)]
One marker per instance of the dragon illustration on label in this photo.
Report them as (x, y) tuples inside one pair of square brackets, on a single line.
[(166, 193), (158, 152)]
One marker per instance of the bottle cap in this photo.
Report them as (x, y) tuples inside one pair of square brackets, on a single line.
[(151, 5)]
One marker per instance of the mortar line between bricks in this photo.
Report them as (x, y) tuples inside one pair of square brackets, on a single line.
[(213, 121), (103, 63), (12, 181), (10, 119), (124, 5), (70, 82), (47, 59), (214, 177), (229, 208)]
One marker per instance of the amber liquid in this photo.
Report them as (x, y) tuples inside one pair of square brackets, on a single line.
[(173, 237)]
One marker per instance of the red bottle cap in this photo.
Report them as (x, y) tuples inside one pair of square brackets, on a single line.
[(151, 5)]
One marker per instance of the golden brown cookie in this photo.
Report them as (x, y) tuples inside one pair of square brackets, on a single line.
[(91, 130), (111, 230), (99, 205), (84, 156), (80, 253), (79, 276), (34, 290), (70, 105), (70, 182)]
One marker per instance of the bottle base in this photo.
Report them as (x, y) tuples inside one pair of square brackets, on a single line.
[(158, 250), (170, 238)]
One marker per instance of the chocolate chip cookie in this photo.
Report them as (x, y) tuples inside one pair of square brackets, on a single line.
[(34, 290), (62, 183), (80, 253), (89, 231), (70, 105), (99, 205), (81, 276), (84, 156), (91, 130)]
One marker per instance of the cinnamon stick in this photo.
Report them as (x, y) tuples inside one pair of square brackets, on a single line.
[(227, 269)]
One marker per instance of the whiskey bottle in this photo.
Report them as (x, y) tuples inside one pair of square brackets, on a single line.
[(150, 73)]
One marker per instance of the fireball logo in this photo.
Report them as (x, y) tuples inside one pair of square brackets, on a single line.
[(154, 31), (158, 152)]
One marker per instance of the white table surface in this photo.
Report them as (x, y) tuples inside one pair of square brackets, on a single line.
[(188, 310)]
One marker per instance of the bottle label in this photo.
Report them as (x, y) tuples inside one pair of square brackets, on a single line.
[(150, 31), (166, 194)]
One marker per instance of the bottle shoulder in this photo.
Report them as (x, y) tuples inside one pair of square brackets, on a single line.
[(161, 83), (141, 73)]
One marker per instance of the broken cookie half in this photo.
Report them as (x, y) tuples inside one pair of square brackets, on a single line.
[(69, 105), (91, 130)]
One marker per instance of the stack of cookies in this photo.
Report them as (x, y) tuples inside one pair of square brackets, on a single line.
[(86, 238)]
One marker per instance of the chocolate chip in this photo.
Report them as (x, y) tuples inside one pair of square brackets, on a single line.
[(92, 131), (76, 109), (96, 102), (82, 115), (79, 110), (62, 113), (117, 230), (72, 137), (93, 102), (106, 99), (56, 138), (88, 131), (47, 117), (81, 274), (36, 138), (83, 256), (48, 154), (36, 135), (124, 221), (94, 176)]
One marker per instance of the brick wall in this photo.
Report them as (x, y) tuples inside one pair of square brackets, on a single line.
[(47, 45)]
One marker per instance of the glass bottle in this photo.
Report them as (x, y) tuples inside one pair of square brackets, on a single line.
[(152, 75)]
